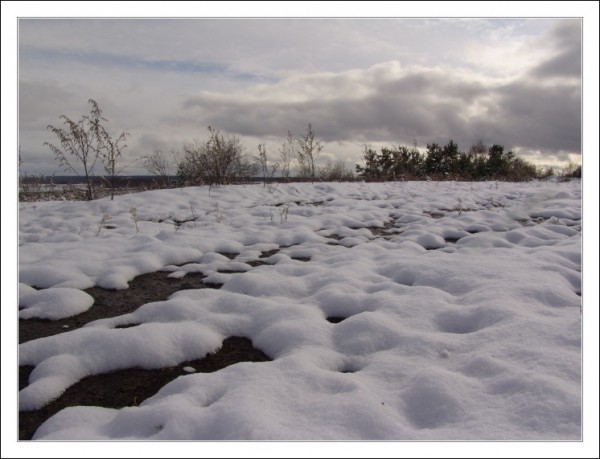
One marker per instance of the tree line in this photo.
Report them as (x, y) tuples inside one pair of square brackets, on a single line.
[(445, 162), (221, 160)]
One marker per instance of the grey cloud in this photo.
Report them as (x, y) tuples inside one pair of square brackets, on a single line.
[(565, 64), (40, 104), (566, 61), (38, 98), (434, 84), (430, 106), (539, 117)]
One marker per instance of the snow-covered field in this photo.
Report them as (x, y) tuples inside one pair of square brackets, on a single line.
[(461, 305)]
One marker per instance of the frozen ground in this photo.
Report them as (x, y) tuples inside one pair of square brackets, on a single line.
[(457, 310)]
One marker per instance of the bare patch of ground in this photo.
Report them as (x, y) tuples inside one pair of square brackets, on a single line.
[(132, 386), (110, 303)]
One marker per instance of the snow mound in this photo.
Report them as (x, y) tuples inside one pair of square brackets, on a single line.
[(53, 303)]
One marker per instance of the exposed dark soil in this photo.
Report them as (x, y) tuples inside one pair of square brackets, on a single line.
[(268, 253), (230, 255), (303, 259), (132, 386), (452, 240), (386, 230), (110, 303), (336, 319)]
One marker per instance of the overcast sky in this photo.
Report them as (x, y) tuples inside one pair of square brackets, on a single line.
[(383, 81)]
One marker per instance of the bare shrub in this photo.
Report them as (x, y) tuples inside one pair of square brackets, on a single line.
[(336, 171), (110, 154), (308, 151), (217, 161), (87, 141), (268, 171), (287, 153), (159, 164)]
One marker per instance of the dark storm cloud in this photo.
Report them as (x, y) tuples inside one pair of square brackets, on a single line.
[(537, 117), (566, 61)]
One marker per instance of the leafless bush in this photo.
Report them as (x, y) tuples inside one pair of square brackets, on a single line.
[(336, 172), (110, 154), (218, 161), (87, 141), (159, 164), (308, 152), (268, 171), (287, 153)]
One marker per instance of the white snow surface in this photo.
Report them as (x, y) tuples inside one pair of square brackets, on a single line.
[(462, 308), (52, 303)]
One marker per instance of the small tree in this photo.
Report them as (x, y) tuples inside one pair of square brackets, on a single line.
[(434, 159), (87, 140), (158, 164), (442, 160), (308, 152), (263, 162), (478, 148), (498, 162), (303, 166), (370, 171), (572, 170), (520, 170), (287, 153), (110, 154), (80, 139)]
